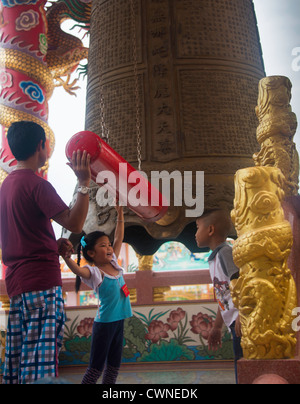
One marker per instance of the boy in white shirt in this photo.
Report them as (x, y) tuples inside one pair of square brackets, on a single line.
[(213, 229)]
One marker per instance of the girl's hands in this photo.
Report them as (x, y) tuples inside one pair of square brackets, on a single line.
[(119, 210), (119, 232), (65, 248)]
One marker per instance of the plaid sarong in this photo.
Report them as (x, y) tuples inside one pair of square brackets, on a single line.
[(34, 336)]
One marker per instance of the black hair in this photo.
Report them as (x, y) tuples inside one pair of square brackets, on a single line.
[(24, 137), (86, 244), (219, 218)]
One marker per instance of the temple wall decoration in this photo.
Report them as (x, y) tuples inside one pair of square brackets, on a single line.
[(163, 334)]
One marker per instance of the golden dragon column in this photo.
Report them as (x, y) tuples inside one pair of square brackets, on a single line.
[(265, 292)]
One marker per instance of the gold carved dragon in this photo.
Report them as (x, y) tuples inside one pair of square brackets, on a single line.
[(265, 292)]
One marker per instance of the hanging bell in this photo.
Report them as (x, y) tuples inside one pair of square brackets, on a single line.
[(188, 71)]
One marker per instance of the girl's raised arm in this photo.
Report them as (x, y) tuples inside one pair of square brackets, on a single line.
[(83, 272), (119, 232)]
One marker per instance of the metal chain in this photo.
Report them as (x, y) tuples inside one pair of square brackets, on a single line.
[(104, 128), (137, 92)]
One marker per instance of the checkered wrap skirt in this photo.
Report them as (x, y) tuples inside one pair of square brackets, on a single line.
[(34, 336)]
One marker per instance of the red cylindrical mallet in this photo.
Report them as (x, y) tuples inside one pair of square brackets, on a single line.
[(122, 180)]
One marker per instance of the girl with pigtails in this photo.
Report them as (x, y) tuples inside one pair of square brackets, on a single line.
[(104, 275)]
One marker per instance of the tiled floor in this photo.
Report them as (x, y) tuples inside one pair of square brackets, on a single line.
[(182, 375)]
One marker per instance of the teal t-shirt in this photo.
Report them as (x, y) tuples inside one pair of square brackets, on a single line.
[(113, 304)]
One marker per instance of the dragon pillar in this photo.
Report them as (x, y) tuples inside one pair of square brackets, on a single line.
[(265, 292), (35, 55), (26, 81)]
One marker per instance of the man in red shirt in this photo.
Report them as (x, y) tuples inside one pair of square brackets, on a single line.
[(30, 252)]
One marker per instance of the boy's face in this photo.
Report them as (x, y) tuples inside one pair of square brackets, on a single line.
[(203, 233)]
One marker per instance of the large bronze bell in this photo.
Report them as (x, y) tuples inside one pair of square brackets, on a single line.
[(173, 84)]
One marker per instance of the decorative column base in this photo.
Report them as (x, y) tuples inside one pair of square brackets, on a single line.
[(133, 296), (5, 302), (159, 293), (281, 371)]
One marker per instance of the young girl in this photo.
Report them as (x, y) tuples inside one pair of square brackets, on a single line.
[(105, 276)]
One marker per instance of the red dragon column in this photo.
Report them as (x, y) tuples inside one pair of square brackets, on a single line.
[(26, 82), (35, 57)]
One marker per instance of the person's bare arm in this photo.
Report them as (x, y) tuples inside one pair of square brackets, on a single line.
[(73, 219), (83, 272), (119, 232), (215, 336)]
